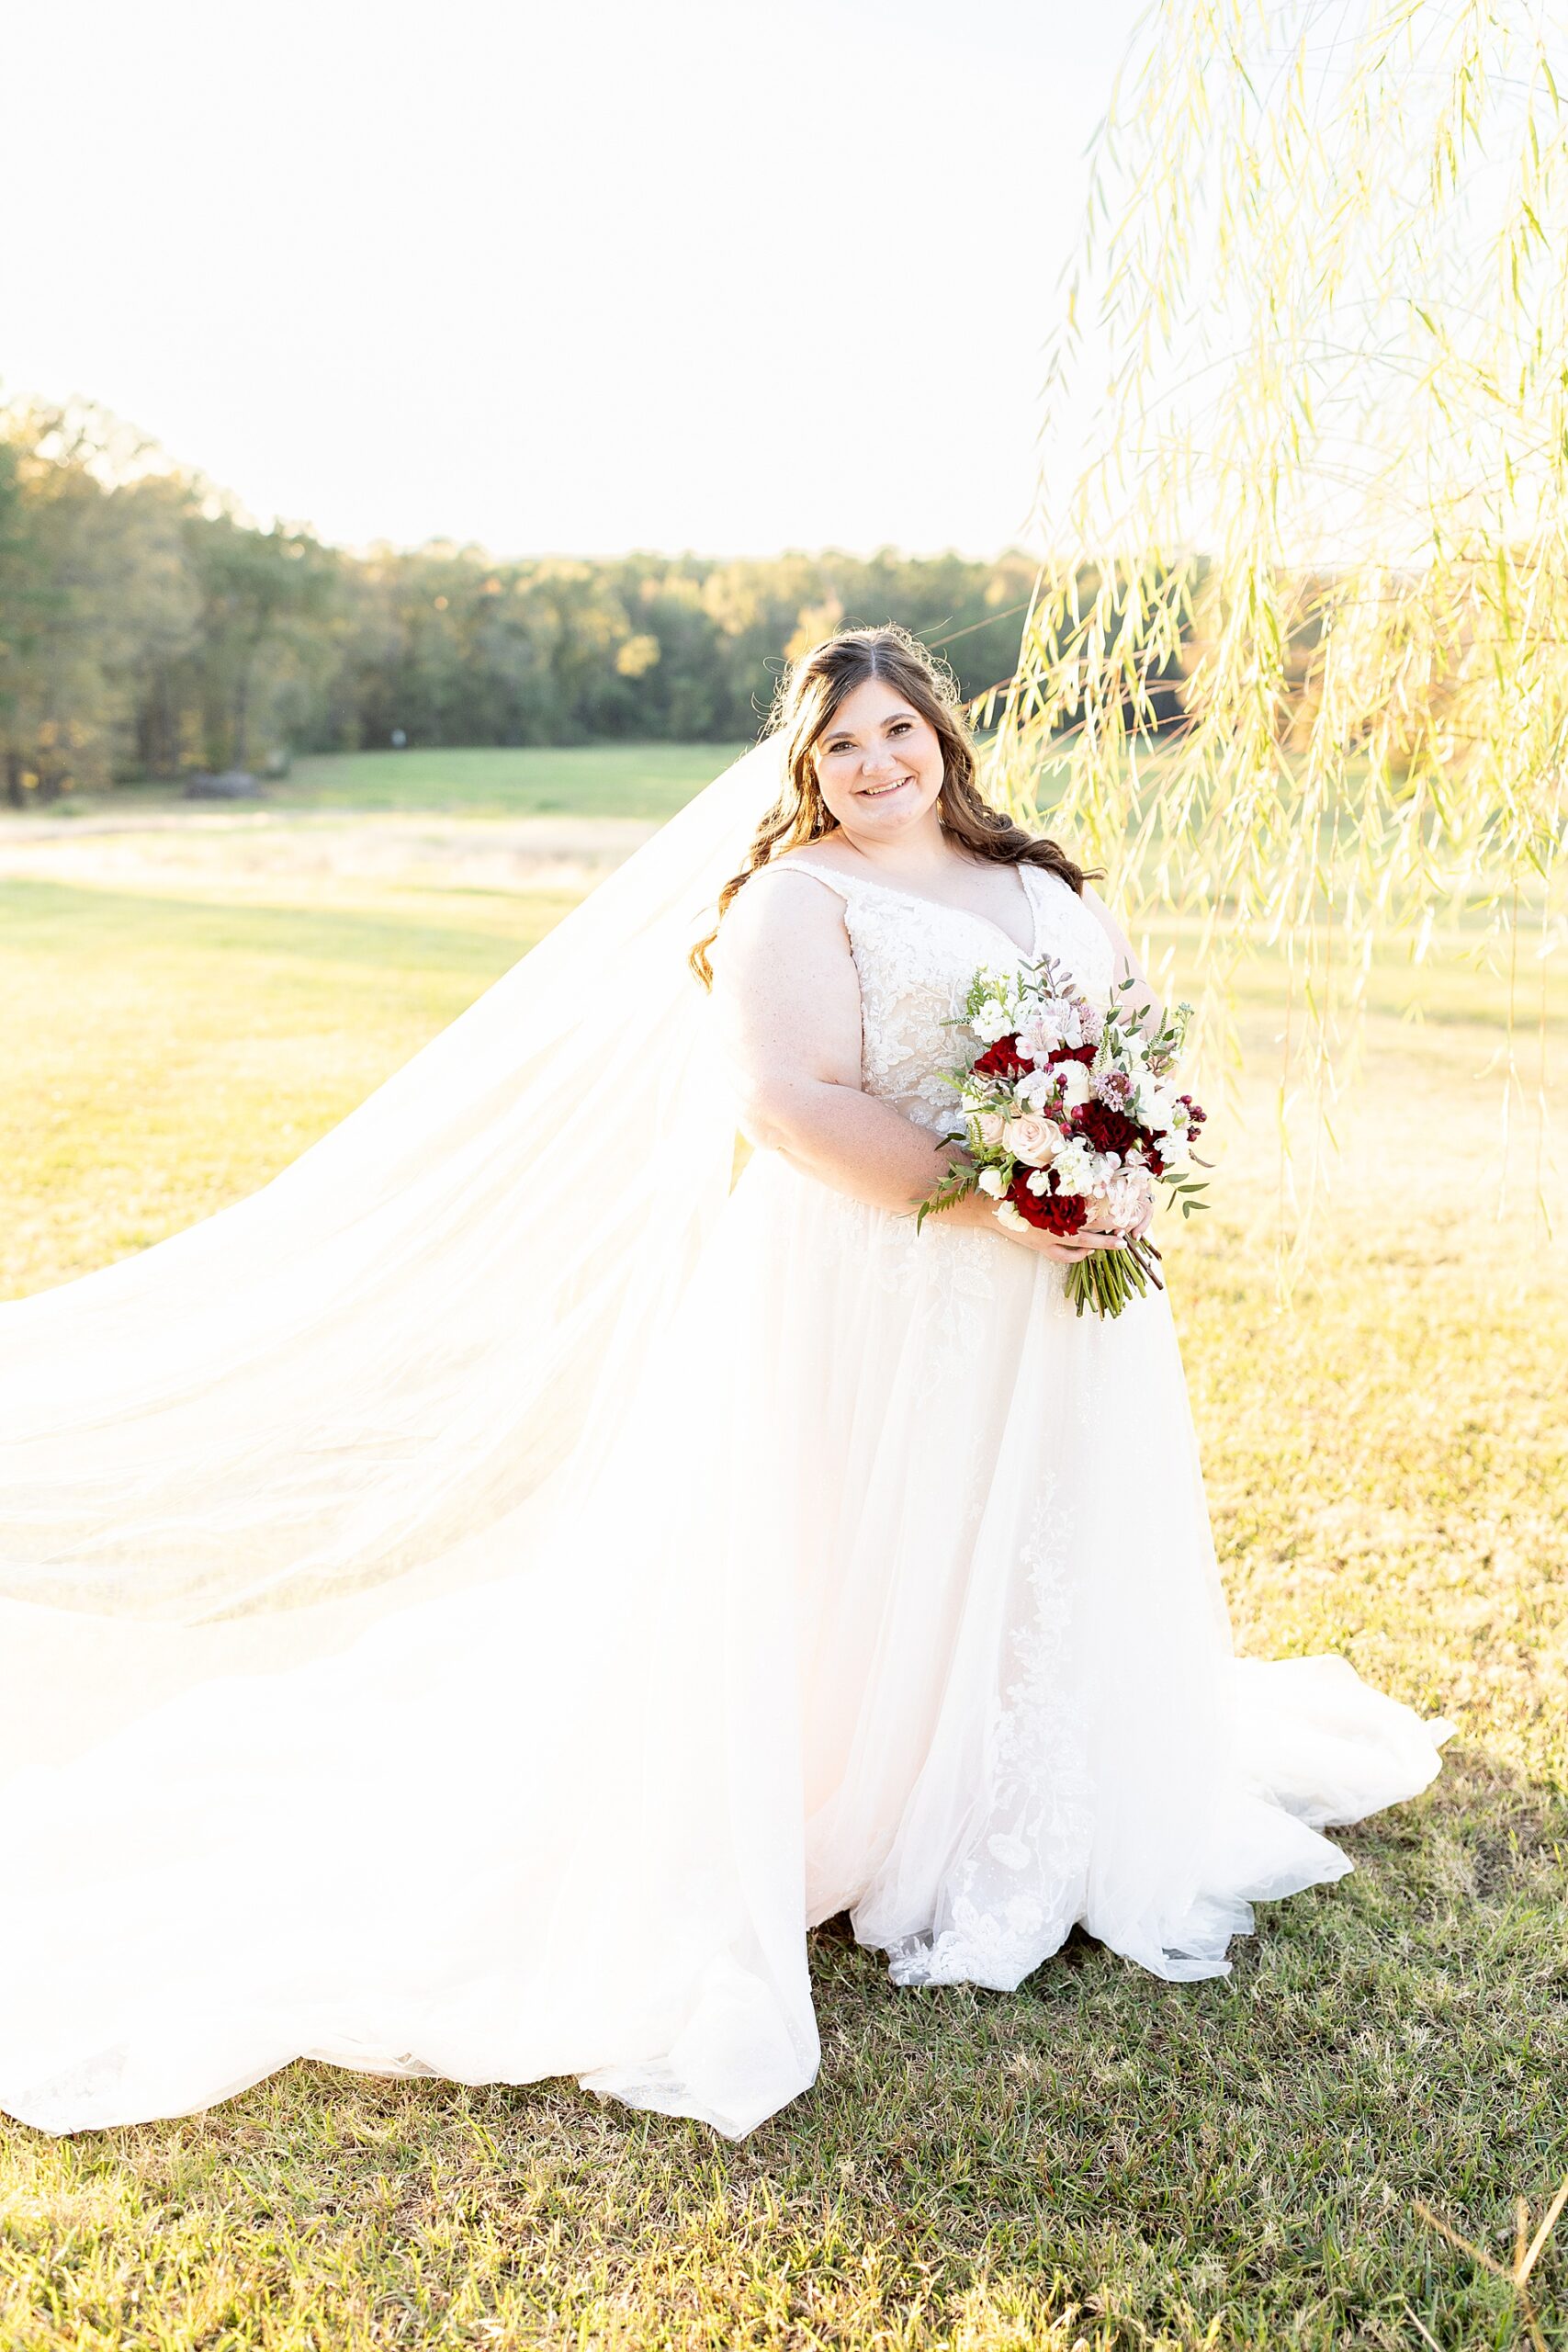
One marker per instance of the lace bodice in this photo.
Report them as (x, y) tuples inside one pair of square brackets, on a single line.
[(916, 958)]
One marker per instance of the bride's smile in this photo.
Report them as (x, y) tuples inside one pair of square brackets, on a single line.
[(879, 767)]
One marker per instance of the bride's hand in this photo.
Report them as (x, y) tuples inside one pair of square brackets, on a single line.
[(979, 1213), (1066, 1248)]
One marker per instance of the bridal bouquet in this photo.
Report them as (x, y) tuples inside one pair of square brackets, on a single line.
[(1071, 1121)]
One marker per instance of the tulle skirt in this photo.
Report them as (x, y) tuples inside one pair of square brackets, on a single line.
[(888, 1588)]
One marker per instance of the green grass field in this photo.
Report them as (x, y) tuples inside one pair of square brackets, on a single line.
[(1099, 2160), (649, 780), (586, 780)]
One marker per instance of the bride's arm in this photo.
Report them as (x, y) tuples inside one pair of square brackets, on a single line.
[(788, 1002)]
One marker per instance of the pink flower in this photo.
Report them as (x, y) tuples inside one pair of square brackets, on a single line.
[(1033, 1140), (1126, 1204)]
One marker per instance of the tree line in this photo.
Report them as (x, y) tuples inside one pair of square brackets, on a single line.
[(147, 629)]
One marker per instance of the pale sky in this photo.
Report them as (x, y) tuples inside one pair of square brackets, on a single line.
[(584, 277)]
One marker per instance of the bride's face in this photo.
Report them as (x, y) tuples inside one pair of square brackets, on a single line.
[(879, 765)]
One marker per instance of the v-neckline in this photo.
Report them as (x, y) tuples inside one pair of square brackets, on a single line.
[(945, 906)]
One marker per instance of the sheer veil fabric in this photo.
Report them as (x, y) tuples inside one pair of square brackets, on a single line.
[(468, 1607)]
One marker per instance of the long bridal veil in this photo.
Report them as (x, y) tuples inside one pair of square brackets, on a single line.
[(378, 1684), (241, 1445)]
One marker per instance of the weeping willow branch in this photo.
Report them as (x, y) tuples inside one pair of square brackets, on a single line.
[(1300, 666)]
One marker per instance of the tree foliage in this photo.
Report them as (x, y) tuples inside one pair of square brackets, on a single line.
[(1324, 279), (147, 629)]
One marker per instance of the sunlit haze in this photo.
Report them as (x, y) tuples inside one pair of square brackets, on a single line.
[(579, 277)]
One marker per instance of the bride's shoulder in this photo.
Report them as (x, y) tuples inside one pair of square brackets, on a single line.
[(783, 911), (791, 885)]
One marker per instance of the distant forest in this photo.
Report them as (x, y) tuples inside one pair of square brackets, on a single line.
[(147, 630)]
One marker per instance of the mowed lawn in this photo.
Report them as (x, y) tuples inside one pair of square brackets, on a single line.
[(646, 780), (1098, 2159), (581, 779)]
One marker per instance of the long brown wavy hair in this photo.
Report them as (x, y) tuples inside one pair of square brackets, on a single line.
[(807, 699)]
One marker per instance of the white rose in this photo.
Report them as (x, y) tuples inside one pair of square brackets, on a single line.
[(1073, 1080), (992, 1181), (1031, 1139), (991, 1127)]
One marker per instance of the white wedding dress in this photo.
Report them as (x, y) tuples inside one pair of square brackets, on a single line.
[(867, 1578)]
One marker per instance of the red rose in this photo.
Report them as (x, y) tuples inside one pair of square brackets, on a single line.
[(1049, 1212), (1002, 1060), (1106, 1129)]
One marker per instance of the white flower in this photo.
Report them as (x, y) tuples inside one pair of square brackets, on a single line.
[(1034, 1141), (990, 1126), (1039, 1035), (1074, 1167), (1073, 1080), (992, 1020), (1007, 1215), (992, 1181)]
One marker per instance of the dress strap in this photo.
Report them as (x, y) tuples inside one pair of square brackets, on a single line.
[(841, 883)]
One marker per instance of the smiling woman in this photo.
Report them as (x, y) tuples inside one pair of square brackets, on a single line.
[(872, 743), (681, 1562)]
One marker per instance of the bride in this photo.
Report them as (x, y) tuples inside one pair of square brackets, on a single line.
[(471, 1607)]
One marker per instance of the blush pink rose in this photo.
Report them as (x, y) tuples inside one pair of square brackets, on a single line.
[(1034, 1141)]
